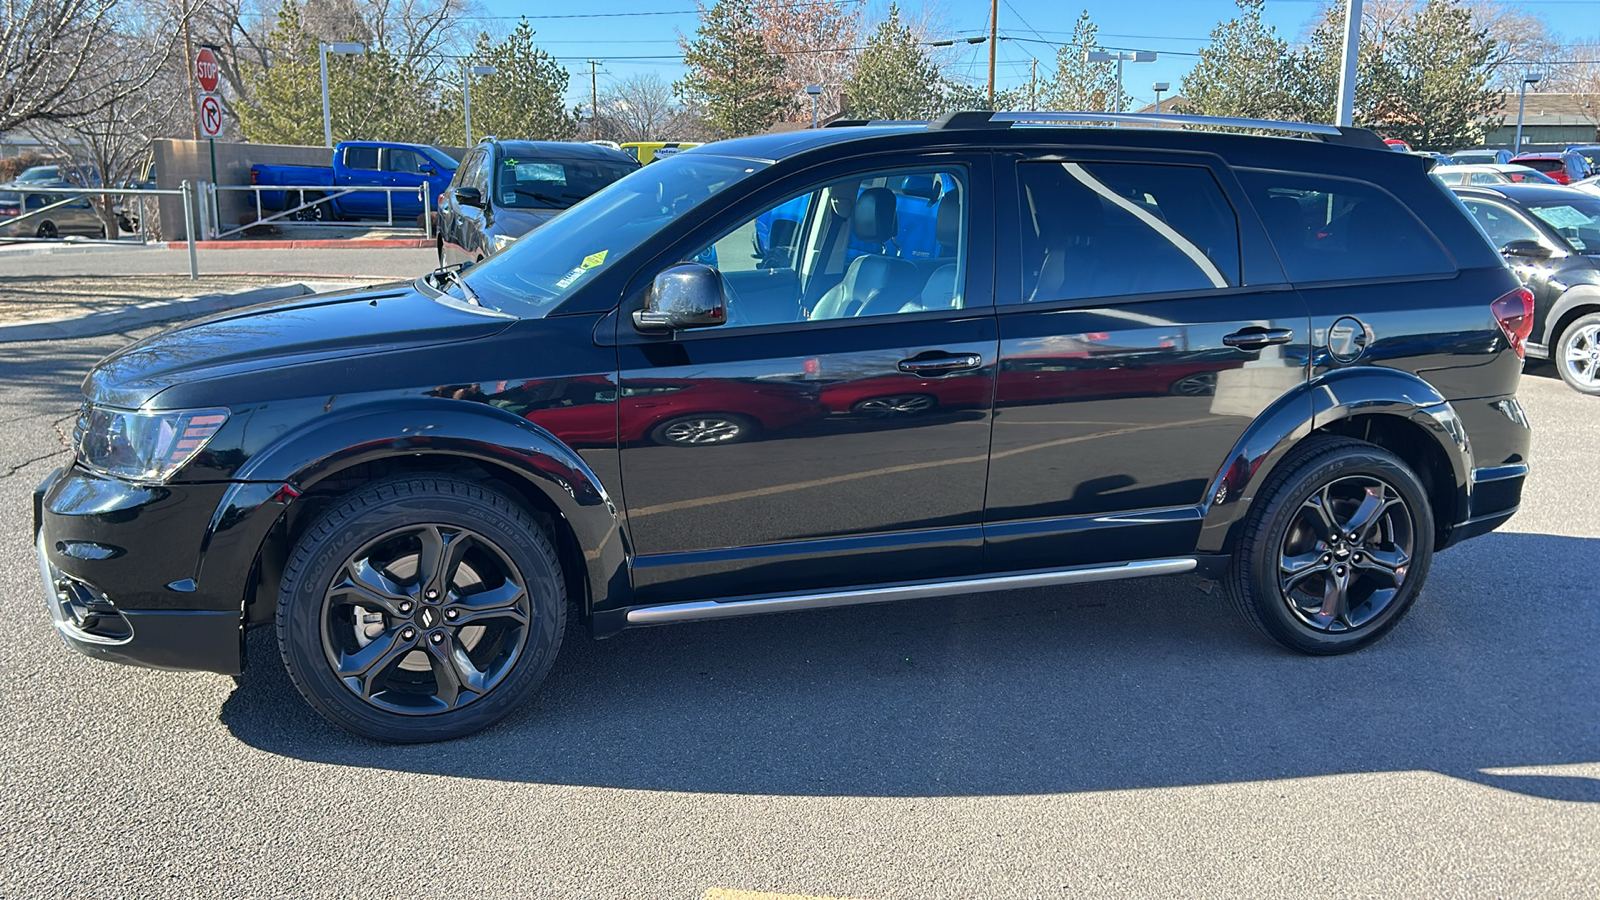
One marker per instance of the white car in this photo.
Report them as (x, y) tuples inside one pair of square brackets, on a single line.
[(1490, 175)]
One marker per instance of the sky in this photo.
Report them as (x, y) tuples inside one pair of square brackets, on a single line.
[(624, 35)]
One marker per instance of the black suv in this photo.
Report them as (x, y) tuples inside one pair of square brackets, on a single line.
[(1551, 236), (505, 189), (1286, 363)]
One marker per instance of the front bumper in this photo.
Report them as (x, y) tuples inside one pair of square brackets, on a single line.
[(118, 564)]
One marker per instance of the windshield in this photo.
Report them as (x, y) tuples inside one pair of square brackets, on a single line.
[(553, 183), (41, 173), (547, 264), (1576, 219)]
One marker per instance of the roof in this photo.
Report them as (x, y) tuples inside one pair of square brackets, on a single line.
[(563, 150), (1550, 109)]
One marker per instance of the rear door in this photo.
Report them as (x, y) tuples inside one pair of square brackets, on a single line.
[(836, 430), (1144, 324), (363, 167)]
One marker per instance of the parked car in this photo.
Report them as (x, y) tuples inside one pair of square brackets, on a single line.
[(1490, 174), (1550, 235), (360, 164), (1482, 155), (647, 152), (77, 217), (1590, 153), (504, 189), (1564, 168), (1397, 144), (1315, 336)]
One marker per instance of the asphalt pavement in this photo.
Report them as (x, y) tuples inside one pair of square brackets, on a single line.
[(110, 260), (1129, 739)]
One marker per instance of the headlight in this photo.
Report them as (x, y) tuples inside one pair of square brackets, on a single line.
[(502, 241), (143, 446)]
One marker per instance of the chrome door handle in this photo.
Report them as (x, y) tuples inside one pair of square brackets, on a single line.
[(942, 364), (1256, 338)]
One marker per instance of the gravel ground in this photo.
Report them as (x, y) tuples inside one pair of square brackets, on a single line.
[(1120, 740)]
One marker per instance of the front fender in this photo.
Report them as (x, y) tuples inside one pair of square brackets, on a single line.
[(1576, 297), (271, 480), (1338, 395)]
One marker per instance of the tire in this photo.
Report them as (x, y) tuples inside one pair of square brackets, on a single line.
[(703, 430), (103, 232), (353, 596), (318, 213), (47, 230), (895, 406), (1200, 384), (1577, 355), (1285, 559)]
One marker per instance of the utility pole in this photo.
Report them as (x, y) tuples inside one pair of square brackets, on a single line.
[(1033, 86), (594, 101), (994, 38), (1345, 115)]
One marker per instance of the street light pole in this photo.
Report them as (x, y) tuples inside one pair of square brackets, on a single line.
[(1522, 101), (815, 90), (1120, 57), (1345, 115), (466, 90), (1160, 88), (342, 49)]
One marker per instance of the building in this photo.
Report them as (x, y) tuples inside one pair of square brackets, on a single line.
[(1548, 120)]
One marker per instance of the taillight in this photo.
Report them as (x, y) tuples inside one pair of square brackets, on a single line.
[(253, 176), (1514, 312)]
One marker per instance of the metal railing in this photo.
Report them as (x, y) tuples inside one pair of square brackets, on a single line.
[(311, 211), (186, 191)]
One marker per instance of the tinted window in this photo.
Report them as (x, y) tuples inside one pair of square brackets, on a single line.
[(1499, 223), (543, 183), (1542, 165), (361, 157), (407, 161), (1332, 229), (1111, 229)]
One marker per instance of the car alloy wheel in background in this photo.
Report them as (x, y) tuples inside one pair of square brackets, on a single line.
[(1577, 356)]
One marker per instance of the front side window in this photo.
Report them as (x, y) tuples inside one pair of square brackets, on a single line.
[(1501, 224), (1336, 229), (882, 243), (407, 161), (1114, 229), (548, 264)]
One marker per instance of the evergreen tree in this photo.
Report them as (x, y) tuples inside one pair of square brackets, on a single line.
[(1245, 71), (524, 97), (286, 99), (894, 77), (1080, 85), (732, 77)]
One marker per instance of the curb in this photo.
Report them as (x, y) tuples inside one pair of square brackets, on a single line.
[(326, 244), (110, 321)]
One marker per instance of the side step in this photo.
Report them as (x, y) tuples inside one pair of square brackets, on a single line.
[(696, 610)]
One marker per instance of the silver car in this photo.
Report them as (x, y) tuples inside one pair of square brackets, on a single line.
[(77, 217)]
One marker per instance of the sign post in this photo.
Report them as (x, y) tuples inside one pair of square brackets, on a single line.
[(208, 73)]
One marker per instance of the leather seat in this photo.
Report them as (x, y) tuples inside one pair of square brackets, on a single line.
[(874, 284), (941, 291)]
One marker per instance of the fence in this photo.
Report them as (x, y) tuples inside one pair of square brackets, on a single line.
[(186, 192), (307, 204)]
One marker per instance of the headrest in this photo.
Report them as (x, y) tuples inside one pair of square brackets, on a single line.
[(874, 219), (842, 198), (947, 223)]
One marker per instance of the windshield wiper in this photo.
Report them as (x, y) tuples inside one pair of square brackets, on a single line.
[(563, 202), (452, 275)]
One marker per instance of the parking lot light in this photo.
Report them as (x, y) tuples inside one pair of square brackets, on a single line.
[(1120, 58), (1522, 100), (344, 48), (466, 91)]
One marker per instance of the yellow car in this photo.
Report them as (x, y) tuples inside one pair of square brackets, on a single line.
[(650, 151)]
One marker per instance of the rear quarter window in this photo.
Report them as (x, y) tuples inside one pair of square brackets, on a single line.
[(1338, 229)]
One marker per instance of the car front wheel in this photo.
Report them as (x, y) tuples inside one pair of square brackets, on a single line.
[(422, 608), (1577, 355), (1335, 549)]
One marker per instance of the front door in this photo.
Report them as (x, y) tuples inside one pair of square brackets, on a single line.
[(836, 430), (1142, 330)]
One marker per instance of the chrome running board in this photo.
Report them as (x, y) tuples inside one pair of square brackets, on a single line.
[(751, 606)]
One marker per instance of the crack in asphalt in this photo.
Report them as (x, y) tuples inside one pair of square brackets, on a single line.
[(14, 469)]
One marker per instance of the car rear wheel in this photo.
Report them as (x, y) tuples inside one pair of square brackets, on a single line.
[(707, 428), (419, 609), (1577, 355), (1336, 548), (895, 406), (47, 230)]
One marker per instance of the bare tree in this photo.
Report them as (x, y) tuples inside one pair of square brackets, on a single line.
[(817, 42), (48, 49), (639, 108)]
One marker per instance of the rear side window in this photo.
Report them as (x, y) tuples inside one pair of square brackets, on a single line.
[(1336, 229), (1115, 229), (361, 157)]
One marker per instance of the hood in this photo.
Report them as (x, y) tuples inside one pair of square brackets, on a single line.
[(518, 222), (285, 333)]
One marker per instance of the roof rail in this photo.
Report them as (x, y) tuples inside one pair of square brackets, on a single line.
[(1333, 134), (851, 123)]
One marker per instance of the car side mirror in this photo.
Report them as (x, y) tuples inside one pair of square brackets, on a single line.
[(428, 170), (469, 196), (689, 295), (1525, 249)]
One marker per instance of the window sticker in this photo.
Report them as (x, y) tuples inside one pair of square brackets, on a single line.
[(1563, 216), (592, 261), (549, 173)]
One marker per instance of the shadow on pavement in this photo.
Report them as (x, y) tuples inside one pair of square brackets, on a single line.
[(1136, 685)]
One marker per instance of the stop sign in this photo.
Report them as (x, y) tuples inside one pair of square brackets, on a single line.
[(207, 69)]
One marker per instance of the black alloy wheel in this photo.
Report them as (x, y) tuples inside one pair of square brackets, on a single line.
[(1335, 549), (420, 609), (47, 230)]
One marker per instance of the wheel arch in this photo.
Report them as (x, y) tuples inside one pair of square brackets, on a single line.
[(1389, 408), (292, 481), (1578, 301)]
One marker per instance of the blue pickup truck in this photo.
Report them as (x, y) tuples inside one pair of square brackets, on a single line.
[(359, 164)]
